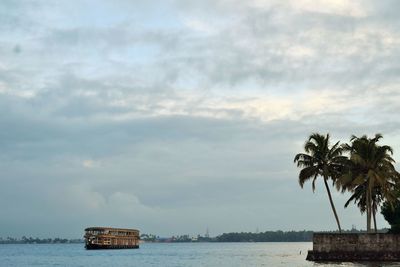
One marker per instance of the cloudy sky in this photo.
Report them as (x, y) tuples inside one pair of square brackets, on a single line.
[(174, 116)]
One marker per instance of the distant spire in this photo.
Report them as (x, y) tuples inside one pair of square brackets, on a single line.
[(207, 233)]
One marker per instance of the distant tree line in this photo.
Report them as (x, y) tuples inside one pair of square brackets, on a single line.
[(279, 236), (151, 238), (269, 236), (31, 240)]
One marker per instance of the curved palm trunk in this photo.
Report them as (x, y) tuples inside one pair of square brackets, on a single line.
[(332, 205)]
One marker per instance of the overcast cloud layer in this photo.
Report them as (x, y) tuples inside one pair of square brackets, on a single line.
[(175, 116)]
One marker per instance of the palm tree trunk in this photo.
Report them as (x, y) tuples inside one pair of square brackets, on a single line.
[(374, 216), (368, 204), (332, 205)]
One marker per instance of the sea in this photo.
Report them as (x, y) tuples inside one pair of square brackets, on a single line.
[(167, 254)]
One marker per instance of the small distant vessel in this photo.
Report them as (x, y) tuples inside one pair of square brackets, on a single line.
[(111, 238)]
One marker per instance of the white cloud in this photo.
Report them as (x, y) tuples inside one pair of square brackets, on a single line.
[(88, 163), (336, 7), (200, 26)]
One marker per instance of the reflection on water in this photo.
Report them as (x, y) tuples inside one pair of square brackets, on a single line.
[(184, 254)]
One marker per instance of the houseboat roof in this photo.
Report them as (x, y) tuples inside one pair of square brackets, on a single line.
[(110, 228)]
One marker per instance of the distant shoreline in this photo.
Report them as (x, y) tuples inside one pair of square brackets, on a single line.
[(30, 240), (267, 236)]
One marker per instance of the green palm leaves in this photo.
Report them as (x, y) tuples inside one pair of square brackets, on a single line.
[(370, 176), (320, 160), (367, 171)]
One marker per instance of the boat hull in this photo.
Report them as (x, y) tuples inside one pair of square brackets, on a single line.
[(96, 246)]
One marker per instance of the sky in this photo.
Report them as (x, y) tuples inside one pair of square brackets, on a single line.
[(177, 116)]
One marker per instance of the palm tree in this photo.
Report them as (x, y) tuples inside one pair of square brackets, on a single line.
[(371, 175), (359, 198), (321, 160)]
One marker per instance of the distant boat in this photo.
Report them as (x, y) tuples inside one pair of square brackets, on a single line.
[(111, 238)]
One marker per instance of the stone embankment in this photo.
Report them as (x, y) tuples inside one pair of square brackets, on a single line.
[(355, 247)]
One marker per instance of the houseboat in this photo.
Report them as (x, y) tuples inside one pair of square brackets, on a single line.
[(111, 238)]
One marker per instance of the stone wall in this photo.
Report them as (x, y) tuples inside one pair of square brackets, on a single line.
[(355, 247)]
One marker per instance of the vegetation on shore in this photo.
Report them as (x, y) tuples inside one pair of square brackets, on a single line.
[(269, 236), (391, 213), (36, 240), (363, 167), (279, 236)]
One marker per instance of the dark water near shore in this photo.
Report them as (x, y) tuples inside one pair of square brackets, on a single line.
[(184, 254)]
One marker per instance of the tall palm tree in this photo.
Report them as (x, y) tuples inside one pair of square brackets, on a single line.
[(321, 160), (371, 174)]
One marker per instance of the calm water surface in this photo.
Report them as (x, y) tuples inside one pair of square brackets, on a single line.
[(184, 254)]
